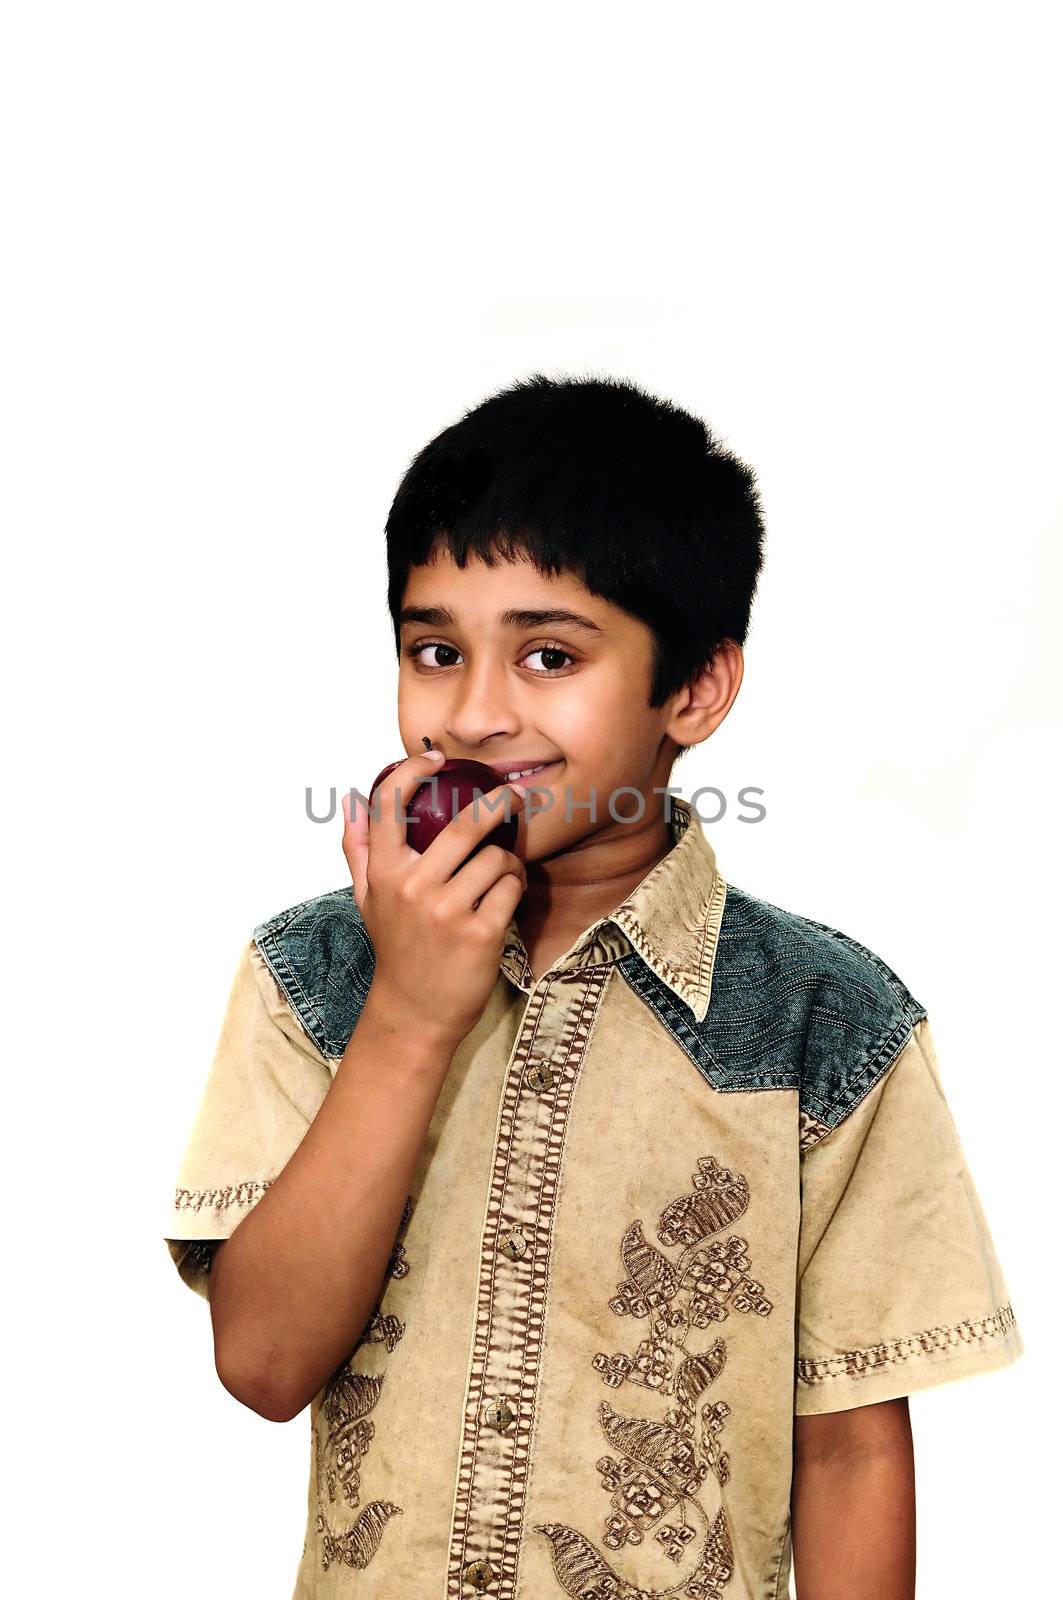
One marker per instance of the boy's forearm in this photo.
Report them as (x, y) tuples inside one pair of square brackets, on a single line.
[(293, 1288), (853, 1505)]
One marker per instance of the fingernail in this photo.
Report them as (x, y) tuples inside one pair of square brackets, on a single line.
[(435, 755)]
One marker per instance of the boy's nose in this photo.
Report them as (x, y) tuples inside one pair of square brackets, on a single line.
[(482, 710)]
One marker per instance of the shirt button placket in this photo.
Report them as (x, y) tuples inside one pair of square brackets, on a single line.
[(511, 1298)]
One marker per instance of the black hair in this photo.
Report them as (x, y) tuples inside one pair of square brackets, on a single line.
[(594, 476)]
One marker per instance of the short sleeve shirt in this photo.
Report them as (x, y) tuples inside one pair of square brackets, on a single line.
[(697, 1178)]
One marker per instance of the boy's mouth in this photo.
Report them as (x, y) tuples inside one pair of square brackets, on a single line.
[(525, 773)]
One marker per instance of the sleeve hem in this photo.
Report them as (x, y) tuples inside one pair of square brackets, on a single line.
[(213, 1213), (842, 1391), (202, 1218)]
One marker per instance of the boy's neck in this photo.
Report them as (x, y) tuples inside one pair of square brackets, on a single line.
[(570, 891)]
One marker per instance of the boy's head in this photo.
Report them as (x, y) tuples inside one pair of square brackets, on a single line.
[(589, 496)]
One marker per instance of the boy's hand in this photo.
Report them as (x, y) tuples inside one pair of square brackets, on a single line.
[(437, 921)]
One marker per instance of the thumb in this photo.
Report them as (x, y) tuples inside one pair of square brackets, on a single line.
[(356, 841)]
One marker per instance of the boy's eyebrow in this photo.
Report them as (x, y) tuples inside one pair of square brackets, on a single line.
[(443, 617)]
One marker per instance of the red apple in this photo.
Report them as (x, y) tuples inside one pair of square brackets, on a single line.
[(455, 786)]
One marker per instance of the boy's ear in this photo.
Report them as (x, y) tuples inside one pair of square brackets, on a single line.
[(702, 704)]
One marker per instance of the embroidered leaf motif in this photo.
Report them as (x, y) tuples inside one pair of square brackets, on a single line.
[(650, 1275), (343, 1430), (658, 1473), (719, 1198), (585, 1574), (359, 1544)]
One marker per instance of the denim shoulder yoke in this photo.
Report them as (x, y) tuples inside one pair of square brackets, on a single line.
[(795, 1003)]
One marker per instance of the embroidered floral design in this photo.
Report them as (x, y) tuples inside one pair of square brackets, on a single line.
[(658, 1469), (342, 1432)]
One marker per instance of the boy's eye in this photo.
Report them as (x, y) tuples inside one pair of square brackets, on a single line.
[(416, 650), (550, 653)]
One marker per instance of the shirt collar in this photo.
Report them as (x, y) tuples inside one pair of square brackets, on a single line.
[(671, 919)]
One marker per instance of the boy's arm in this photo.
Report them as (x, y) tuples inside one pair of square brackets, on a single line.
[(293, 1287), (295, 1284), (853, 1504)]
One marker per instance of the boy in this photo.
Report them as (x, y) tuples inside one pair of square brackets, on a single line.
[(603, 1214)]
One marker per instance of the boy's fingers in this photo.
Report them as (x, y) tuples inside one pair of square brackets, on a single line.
[(387, 828), (356, 843), (503, 897), (478, 817)]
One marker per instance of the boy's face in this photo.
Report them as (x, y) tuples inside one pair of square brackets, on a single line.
[(516, 691)]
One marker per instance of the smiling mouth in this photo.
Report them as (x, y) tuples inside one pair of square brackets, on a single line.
[(527, 775)]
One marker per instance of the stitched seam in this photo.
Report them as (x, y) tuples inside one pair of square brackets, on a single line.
[(311, 1019), (851, 1363), (707, 950), (233, 1194), (640, 983), (296, 996), (860, 1085), (663, 968), (778, 1563)]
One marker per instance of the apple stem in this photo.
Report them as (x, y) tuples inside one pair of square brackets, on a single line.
[(426, 742)]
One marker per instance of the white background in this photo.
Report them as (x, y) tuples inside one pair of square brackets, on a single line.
[(255, 257)]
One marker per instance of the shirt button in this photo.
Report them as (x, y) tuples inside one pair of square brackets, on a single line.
[(481, 1574), (500, 1414), (513, 1244), (541, 1077)]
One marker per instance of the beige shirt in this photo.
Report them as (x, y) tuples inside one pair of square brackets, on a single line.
[(618, 1276)]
